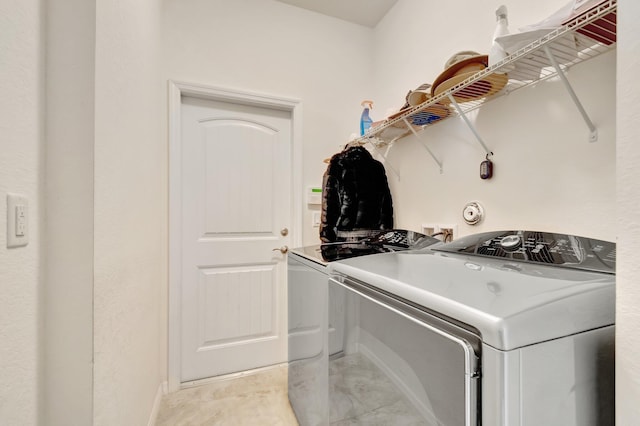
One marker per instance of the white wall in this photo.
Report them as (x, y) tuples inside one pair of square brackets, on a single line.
[(274, 48), (130, 207), (21, 158), (68, 293), (547, 175), (628, 188)]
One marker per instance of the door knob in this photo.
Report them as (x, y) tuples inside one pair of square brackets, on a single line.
[(283, 249), (284, 232)]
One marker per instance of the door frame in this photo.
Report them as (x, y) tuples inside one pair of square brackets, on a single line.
[(178, 89)]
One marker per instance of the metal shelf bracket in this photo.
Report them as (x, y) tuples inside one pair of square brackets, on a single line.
[(384, 157), (593, 136), (410, 127), (469, 124)]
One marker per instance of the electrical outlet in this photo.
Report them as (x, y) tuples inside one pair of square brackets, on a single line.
[(429, 229), (449, 232)]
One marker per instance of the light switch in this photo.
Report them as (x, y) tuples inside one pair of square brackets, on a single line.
[(17, 220), (21, 220)]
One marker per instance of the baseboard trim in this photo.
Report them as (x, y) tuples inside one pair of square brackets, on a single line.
[(153, 417), (201, 382)]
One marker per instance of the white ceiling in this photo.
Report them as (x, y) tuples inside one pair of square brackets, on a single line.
[(363, 12)]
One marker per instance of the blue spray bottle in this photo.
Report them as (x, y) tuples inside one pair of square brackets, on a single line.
[(365, 120)]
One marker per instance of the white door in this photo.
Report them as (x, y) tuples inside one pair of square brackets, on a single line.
[(236, 191)]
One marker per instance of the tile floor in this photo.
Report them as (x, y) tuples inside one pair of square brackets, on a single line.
[(257, 398), (361, 394)]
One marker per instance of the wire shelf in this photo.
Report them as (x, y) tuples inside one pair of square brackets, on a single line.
[(584, 37)]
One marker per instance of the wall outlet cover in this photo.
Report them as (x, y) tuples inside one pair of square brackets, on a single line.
[(449, 231), (429, 228)]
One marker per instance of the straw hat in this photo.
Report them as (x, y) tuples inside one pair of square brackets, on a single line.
[(461, 66), (413, 98), (419, 95)]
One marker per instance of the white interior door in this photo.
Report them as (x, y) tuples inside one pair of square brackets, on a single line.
[(236, 209)]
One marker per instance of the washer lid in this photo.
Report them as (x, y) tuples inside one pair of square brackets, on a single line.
[(380, 242), (511, 303)]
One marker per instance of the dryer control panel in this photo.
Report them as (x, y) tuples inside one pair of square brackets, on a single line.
[(539, 247)]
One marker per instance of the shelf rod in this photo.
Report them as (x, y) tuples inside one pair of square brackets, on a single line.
[(469, 124), (438, 162), (387, 162), (593, 137)]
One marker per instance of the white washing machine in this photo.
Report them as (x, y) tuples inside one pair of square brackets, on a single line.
[(316, 327), (511, 328)]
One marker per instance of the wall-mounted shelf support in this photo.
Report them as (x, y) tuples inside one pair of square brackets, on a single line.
[(410, 127), (384, 157), (469, 124), (593, 137)]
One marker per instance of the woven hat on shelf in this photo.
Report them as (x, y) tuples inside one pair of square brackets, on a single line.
[(418, 95), (460, 67), (428, 115)]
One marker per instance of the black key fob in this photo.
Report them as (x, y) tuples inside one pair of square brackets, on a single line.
[(486, 169)]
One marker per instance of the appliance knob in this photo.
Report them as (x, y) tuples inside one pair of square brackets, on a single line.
[(510, 242)]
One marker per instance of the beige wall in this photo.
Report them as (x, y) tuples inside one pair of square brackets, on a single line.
[(628, 225), (21, 171), (130, 212), (68, 293), (103, 106)]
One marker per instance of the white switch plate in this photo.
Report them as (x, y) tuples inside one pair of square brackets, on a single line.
[(316, 219), (17, 220)]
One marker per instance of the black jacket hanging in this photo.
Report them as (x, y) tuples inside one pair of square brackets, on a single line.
[(355, 196)]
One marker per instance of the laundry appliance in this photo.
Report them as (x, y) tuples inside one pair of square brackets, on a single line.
[(313, 337), (508, 328)]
